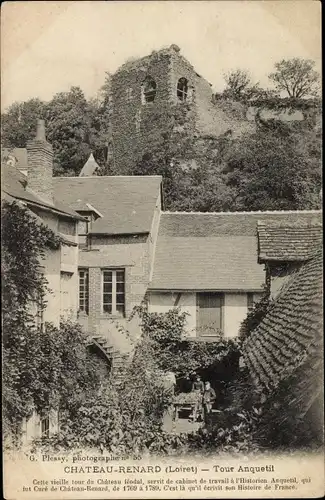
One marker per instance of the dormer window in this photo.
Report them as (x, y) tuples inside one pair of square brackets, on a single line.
[(182, 89), (91, 214), (148, 90), (83, 229)]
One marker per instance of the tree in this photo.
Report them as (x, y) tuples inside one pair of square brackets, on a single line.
[(238, 81), (275, 169), (105, 92), (69, 120), (18, 124), (296, 77), (75, 128), (239, 87)]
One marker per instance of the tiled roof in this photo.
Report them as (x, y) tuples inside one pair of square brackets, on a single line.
[(127, 203), (288, 242), (212, 251), (231, 223), (13, 183), (40, 222), (291, 333), (207, 263)]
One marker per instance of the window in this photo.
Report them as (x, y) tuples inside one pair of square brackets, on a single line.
[(83, 233), (114, 291), (67, 227), (209, 313), (250, 301), (149, 89), (45, 427), (66, 306), (84, 290), (182, 89)]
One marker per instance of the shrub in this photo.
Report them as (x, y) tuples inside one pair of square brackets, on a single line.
[(255, 316), (47, 368), (124, 419), (172, 349)]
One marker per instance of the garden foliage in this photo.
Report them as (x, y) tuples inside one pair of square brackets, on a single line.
[(256, 315), (174, 351), (44, 367)]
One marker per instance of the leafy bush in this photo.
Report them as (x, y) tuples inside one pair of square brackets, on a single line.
[(45, 368), (255, 316), (24, 244), (234, 434), (174, 351), (122, 419)]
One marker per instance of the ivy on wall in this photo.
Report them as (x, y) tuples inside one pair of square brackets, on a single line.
[(174, 352), (46, 368)]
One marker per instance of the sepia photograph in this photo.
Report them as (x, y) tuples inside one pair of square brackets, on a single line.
[(162, 260)]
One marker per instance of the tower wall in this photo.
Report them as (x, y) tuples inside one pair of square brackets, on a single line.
[(129, 116), (137, 126)]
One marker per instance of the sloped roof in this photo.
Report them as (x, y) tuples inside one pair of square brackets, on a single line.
[(208, 263), (89, 167), (14, 183), (291, 332), (40, 222), (127, 203), (213, 251), (288, 242)]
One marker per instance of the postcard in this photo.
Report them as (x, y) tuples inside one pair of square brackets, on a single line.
[(161, 208)]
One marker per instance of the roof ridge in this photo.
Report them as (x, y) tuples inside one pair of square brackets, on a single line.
[(290, 224), (109, 177), (253, 212)]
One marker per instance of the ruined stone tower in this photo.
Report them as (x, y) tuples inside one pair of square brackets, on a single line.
[(143, 89)]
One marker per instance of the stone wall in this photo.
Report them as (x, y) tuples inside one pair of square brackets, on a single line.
[(130, 253), (137, 126), (130, 136)]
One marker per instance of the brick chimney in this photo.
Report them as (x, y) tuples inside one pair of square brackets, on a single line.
[(40, 165)]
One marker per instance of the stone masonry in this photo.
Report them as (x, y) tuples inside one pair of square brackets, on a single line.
[(40, 165), (136, 122), (120, 252)]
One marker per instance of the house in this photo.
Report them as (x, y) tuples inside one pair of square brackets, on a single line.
[(207, 265), (32, 187), (132, 251), (120, 249), (213, 266), (284, 355), (116, 248), (284, 245), (31, 183)]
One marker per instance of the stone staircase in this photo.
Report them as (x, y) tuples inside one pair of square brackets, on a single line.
[(119, 365), (118, 360)]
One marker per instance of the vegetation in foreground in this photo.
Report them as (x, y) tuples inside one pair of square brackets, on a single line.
[(50, 368)]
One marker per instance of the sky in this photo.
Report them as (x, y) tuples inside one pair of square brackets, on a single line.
[(46, 47)]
